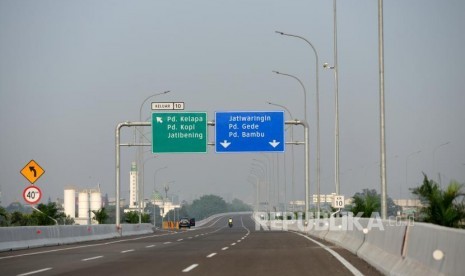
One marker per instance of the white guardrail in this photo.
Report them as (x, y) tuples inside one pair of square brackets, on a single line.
[(14, 238), (392, 247)]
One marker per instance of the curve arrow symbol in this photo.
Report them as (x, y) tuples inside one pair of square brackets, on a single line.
[(225, 144), (33, 169), (274, 144)]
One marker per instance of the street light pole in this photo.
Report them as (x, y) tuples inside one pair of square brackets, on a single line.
[(267, 181), (142, 194), (406, 171), (317, 118), (434, 154), (154, 189), (382, 111), (140, 155), (255, 174), (292, 153), (336, 102), (303, 88), (155, 176), (256, 192)]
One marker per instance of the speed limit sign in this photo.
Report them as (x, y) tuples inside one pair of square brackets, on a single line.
[(32, 194)]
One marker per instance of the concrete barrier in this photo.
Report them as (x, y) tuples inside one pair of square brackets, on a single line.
[(15, 238), (347, 232), (136, 229), (383, 247), (391, 246), (318, 228), (432, 250)]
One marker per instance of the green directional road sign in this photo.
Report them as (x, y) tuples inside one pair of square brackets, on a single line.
[(179, 132)]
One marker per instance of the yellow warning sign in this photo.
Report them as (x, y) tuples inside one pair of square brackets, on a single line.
[(32, 171)]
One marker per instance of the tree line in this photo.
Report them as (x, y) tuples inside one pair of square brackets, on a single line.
[(444, 207), (51, 214), (439, 206)]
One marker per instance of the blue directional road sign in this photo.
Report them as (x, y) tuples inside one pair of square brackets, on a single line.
[(247, 131)]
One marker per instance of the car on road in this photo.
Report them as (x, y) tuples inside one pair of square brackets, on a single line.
[(184, 223)]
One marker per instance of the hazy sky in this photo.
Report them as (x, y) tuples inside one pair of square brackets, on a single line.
[(70, 71)]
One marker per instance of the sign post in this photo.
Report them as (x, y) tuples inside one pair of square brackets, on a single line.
[(249, 131), (179, 132)]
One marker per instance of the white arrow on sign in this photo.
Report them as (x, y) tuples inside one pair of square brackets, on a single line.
[(274, 144), (225, 144), (159, 120)]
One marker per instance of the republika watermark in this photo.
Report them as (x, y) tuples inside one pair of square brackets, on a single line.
[(347, 222)]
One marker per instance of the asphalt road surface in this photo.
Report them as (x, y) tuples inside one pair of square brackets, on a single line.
[(213, 249)]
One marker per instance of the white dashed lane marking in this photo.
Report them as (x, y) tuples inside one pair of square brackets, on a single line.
[(189, 268), (34, 272), (92, 258), (211, 255)]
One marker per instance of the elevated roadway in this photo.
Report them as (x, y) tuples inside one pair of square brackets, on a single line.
[(213, 249)]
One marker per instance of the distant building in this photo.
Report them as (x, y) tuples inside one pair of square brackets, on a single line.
[(409, 207), (165, 205), (134, 191), (88, 200)]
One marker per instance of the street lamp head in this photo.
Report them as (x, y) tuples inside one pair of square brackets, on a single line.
[(281, 33), (327, 66), (277, 72)]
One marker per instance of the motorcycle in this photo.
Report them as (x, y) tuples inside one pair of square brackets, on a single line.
[(230, 223)]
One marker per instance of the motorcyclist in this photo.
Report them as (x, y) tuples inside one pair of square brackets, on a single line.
[(230, 222)]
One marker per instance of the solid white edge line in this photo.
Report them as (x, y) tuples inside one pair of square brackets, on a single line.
[(79, 247), (187, 269), (34, 272), (211, 255), (92, 258), (343, 261)]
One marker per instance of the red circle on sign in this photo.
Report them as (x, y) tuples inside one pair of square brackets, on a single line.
[(32, 194)]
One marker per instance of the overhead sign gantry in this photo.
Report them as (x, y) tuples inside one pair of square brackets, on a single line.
[(186, 132)]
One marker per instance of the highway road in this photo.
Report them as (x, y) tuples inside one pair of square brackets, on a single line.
[(213, 249)]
